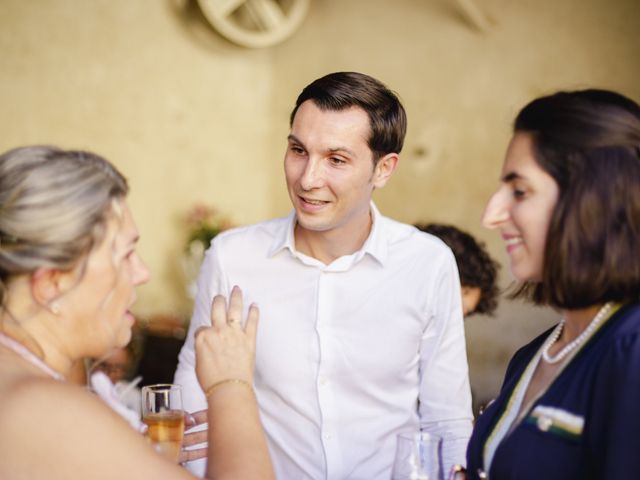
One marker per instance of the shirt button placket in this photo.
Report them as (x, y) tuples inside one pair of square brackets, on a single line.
[(323, 400)]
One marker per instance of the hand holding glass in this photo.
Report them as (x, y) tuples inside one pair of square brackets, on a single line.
[(163, 415)]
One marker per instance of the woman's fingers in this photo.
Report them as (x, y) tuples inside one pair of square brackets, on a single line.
[(219, 312), (199, 330), (190, 455), (222, 315), (225, 350), (251, 325), (194, 438), (195, 418), (234, 313)]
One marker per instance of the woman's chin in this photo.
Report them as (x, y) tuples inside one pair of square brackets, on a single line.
[(525, 275), (123, 339), (124, 336)]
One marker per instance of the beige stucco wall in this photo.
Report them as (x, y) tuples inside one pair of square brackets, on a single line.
[(191, 117)]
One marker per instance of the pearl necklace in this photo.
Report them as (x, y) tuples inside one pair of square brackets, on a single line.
[(600, 316)]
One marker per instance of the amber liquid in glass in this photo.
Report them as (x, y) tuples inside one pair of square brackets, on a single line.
[(166, 431)]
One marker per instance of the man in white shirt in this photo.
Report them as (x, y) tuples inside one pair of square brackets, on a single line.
[(361, 333)]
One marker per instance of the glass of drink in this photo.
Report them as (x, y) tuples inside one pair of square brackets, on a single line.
[(417, 457), (163, 415)]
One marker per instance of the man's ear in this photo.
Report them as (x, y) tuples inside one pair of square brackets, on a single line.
[(384, 169)]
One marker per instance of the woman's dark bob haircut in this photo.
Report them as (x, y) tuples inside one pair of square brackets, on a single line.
[(589, 142)]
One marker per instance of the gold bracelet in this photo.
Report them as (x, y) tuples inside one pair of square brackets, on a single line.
[(238, 381)]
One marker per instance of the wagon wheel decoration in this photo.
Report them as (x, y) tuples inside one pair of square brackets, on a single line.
[(255, 23)]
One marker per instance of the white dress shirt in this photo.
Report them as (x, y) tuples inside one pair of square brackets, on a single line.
[(348, 354)]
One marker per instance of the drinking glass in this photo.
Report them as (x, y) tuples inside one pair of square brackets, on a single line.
[(163, 415), (417, 457), (453, 444)]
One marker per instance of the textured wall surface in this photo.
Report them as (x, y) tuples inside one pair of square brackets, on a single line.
[(190, 117)]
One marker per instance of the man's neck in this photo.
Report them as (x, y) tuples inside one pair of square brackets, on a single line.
[(327, 246)]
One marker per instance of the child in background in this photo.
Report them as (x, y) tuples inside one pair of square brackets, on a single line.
[(478, 271)]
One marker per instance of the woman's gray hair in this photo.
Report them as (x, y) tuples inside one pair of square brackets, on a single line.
[(54, 205)]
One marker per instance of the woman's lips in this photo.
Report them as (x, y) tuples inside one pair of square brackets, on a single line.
[(130, 318), (512, 242)]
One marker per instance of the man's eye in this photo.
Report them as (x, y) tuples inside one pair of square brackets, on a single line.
[(297, 150), (337, 161)]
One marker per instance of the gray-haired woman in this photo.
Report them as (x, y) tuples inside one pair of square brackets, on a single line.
[(68, 274)]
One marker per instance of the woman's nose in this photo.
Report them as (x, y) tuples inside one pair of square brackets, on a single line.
[(142, 273), (496, 211)]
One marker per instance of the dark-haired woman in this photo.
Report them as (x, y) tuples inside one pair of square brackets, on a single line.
[(568, 209)]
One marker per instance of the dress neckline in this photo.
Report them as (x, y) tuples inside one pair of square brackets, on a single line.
[(514, 411), (26, 354)]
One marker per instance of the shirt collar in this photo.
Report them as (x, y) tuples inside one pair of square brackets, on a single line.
[(376, 244), (283, 238)]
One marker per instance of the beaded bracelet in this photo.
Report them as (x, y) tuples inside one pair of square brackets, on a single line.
[(238, 381)]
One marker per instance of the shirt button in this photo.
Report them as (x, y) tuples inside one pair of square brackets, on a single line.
[(328, 436), (323, 380)]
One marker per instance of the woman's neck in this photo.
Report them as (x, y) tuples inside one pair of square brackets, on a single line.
[(576, 321), (36, 332)]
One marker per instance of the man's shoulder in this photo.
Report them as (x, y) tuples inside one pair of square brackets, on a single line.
[(255, 240), (403, 234), (267, 228)]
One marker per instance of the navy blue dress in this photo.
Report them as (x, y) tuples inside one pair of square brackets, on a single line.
[(598, 390)]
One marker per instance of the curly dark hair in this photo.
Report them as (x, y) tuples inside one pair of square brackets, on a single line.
[(476, 267)]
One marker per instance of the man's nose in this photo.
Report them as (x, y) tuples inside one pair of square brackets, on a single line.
[(312, 174)]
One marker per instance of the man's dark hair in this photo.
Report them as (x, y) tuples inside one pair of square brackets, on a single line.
[(475, 266), (589, 142), (342, 90)]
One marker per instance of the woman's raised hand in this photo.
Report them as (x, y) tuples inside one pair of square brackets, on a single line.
[(225, 351)]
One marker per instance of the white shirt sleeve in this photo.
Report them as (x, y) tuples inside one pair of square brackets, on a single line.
[(210, 283), (445, 395)]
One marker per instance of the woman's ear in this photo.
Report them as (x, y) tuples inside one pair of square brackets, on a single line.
[(384, 169), (46, 288)]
